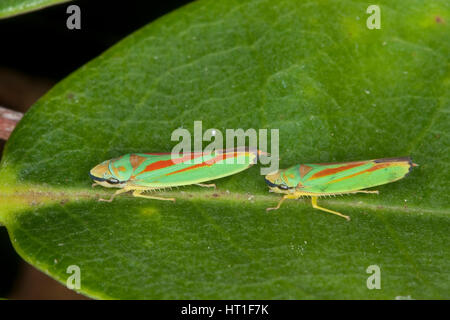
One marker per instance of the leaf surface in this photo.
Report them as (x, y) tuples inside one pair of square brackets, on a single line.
[(10, 8), (336, 91)]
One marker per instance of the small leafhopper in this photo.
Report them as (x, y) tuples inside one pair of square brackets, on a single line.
[(326, 179), (141, 172)]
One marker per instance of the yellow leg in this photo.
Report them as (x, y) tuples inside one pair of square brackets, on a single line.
[(114, 195), (212, 185), (94, 184), (138, 193), (315, 206), (288, 196)]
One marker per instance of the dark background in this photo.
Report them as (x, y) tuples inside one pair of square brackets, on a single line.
[(36, 51)]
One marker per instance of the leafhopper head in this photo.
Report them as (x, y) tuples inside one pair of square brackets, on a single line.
[(276, 182), (102, 175)]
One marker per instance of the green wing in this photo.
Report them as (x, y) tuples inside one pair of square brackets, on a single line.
[(163, 170), (346, 176)]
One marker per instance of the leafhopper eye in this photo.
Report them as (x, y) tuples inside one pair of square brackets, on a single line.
[(283, 187), (112, 181)]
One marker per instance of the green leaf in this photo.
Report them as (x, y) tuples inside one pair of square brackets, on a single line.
[(336, 91), (9, 8)]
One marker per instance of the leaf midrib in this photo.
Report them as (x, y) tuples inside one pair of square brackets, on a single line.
[(36, 195)]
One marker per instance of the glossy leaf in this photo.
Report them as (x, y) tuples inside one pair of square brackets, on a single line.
[(336, 91), (10, 8)]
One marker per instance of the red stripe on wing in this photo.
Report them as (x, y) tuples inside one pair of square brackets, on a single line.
[(208, 163), (330, 171), (167, 163), (374, 168)]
